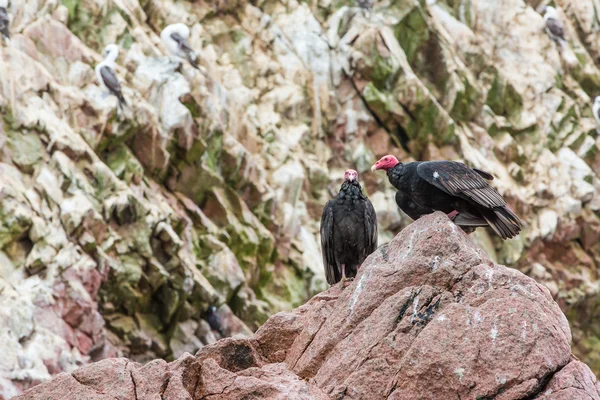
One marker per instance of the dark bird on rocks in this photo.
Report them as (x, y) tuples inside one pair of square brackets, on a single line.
[(348, 230), (214, 320), (4, 21), (365, 4), (452, 187), (175, 37), (554, 28), (105, 73)]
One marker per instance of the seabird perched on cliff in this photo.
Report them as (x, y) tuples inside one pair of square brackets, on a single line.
[(106, 75), (175, 38), (596, 111), (554, 28), (4, 21)]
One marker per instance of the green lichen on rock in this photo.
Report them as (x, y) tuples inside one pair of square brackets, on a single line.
[(88, 21), (124, 165), (502, 97), (26, 149), (412, 32)]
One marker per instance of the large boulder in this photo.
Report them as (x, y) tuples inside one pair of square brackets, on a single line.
[(428, 316)]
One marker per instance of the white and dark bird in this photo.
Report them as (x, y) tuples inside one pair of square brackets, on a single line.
[(596, 111), (4, 20), (348, 230), (105, 73), (554, 28), (175, 38)]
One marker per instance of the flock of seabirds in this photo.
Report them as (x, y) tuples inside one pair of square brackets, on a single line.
[(349, 223)]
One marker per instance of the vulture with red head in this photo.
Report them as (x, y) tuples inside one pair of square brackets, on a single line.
[(452, 187), (348, 230)]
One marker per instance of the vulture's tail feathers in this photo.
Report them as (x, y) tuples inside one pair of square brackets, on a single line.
[(504, 222)]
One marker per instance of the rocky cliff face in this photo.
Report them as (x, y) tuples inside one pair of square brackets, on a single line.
[(428, 316), (118, 231)]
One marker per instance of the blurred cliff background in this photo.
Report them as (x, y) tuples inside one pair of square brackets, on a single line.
[(119, 232)]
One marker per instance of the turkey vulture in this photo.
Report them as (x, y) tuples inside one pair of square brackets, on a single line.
[(348, 230), (452, 187), (554, 28)]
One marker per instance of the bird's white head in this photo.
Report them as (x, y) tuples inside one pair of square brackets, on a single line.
[(4, 3), (550, 12), (350, 175), (111, 52), (179, 28), (597, 101)]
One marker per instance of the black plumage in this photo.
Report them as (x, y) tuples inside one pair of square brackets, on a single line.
[(555, 29), (112, 83), (348, 231), (4, 23), (185, 48), (365, 4), (214, 320), (451, 187)]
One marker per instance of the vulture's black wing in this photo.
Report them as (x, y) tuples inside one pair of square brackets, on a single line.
[(370, 228), (555, 28), (410, 208), (185, 48), (4, 23), (457, 179), (112, 83), (484, 174), (332, 273)]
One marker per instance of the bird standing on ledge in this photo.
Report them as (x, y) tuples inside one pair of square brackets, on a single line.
[(452, 187), (554, 28), (106, 75), (348, 230)]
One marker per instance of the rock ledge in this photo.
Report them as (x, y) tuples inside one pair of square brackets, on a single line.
[(429, 316)]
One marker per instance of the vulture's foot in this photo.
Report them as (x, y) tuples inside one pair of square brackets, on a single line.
[(468, 229), (452, 215)]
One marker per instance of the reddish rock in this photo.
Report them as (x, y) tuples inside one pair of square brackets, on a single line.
[(429, 316)]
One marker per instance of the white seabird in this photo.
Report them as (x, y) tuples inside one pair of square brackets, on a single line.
[(596, 111), (4, 21), (175, 38), (554, 28), (106, 75)]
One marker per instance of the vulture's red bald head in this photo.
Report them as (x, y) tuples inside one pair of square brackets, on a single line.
[(385, 163), (350, 175)]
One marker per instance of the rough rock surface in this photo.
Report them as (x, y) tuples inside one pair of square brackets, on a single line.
[(119, 231), (429, 316)]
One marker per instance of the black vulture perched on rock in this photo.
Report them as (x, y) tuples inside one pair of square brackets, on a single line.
[(452, 187), (348, 230)]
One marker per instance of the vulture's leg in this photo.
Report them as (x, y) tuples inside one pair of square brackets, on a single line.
[(343, 274), (453, 215)]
